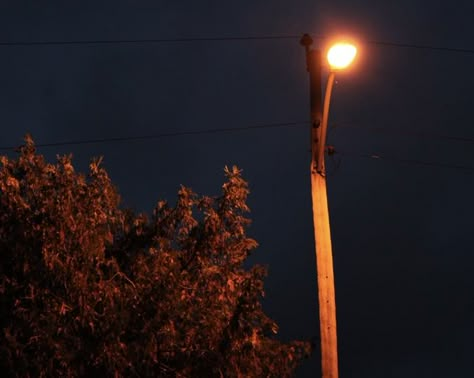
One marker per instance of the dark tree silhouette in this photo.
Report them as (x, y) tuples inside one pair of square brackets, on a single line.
[(87, 288)]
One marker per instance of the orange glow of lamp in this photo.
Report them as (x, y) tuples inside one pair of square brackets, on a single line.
[(341, 55)]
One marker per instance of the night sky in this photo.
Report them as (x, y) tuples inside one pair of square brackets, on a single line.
[(401, 224)]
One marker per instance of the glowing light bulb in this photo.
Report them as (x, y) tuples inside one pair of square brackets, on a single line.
[(341, 55)]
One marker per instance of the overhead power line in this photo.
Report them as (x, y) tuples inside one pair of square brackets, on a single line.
[(405, 132), (422, 47), (465, 168), (162, 135), (236, 129), (228, 39), (150, 40)]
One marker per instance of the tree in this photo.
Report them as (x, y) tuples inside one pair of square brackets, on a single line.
[(88, 288)]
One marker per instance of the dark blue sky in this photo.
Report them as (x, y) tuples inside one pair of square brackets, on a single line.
[(402, 232)]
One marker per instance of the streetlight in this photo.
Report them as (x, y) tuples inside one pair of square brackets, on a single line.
[(339, 57)]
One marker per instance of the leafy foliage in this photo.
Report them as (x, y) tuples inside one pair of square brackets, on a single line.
[(87, 288)]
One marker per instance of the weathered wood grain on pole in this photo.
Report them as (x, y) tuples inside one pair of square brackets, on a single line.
[(325, 272)]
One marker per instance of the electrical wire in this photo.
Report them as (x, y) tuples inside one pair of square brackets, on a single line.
[(422, 47), (151, 40), (465, 168), (412, 133), (162, 135), (405, 132), (227, 39)]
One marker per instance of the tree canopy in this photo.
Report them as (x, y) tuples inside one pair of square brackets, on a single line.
[(88, 288)]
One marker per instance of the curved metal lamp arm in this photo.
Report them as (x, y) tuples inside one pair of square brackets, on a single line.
[(324, 124)]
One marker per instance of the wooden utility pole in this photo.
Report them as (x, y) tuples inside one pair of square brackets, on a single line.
[(322, 235)]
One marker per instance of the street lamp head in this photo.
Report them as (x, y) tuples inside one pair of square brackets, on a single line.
[(341, 55)]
